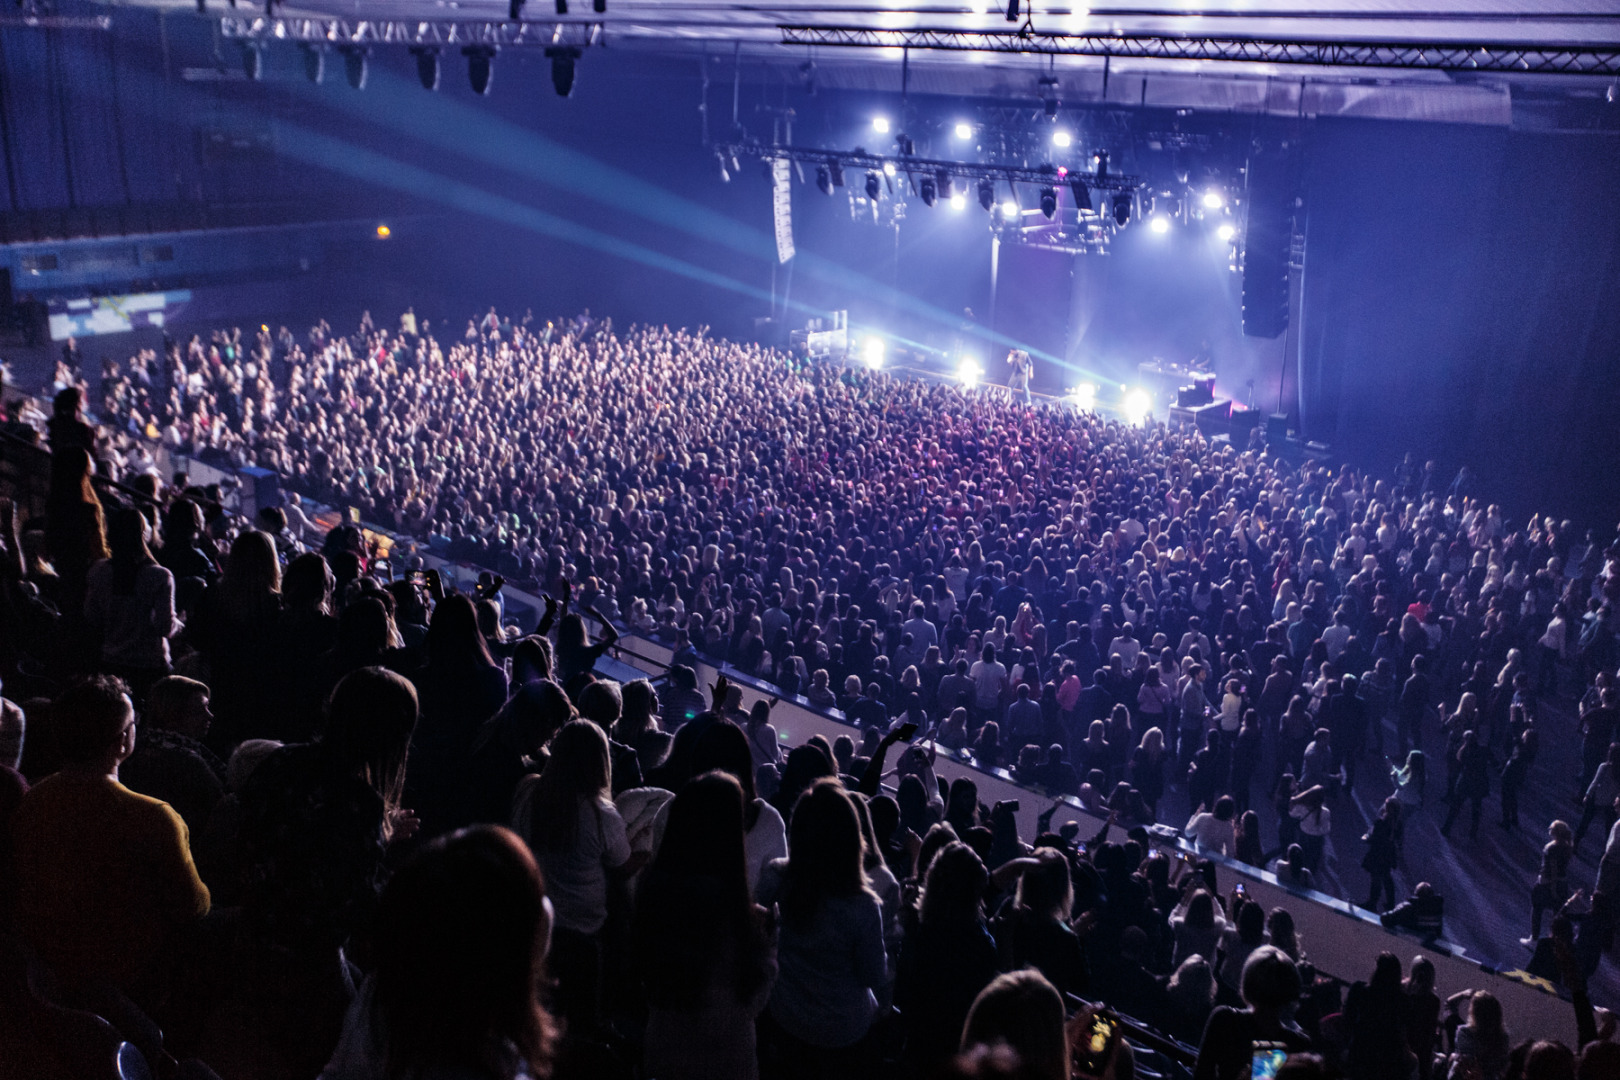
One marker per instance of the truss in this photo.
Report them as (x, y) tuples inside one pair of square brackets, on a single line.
[(413, 32), (859, 161), (1422, 56)]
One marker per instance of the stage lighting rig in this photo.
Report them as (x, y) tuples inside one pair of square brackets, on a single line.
[(427, 65), (314, 62), (253, 60), (355, 65), (562, 69), (725, 173), (928, 191), (873, 185), (562, 7), (1049, 201), (481, 68), (942, 181), (1102, 164), (987, 194), (1082, 197), (824, 179), (514, 9), (1012, 10), (1122, 210)]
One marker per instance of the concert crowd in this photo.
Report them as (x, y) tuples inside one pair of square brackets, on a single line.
[(272, 802)]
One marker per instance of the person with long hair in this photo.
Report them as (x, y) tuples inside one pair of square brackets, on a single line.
[(75, 526), (234, 628), (576, 654), (1023, 1013), (1484, 1039), (700, 942), (509, 747), (723, 746), (830, 946), (1378, 1014), (460, 944), (579, 839), (947, 959), (1033, 929), (306, 631), (461, 688), (129, 606)]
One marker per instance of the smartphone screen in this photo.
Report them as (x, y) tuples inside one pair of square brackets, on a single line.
[(1268, 1058), (907, 732), (1098, 1044)]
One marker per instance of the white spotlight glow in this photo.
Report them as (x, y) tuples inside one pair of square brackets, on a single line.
[(880, 124), (1062, 138), (1226, 232), (959, 201), (1213, 200), (1084, 396), (1009, 208), (968, 372), (964, 131), (1159, 224), (1137, 405), (872, 352), (888, 168)]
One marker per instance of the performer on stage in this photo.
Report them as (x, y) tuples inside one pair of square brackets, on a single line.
[(1204, 358), (1022, 368)]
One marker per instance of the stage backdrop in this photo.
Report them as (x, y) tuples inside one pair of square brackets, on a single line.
[(1462, 298)]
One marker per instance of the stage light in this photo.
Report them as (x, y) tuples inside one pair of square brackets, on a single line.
[(959, 201), (427, 65), (880, 124), (1102, 164), (987, 194), (514, 10), (873, 350), (384, 232), (1012, 10), (1010, 208), (725, 173), (824, 179), (1048, 201), (1082, 197), (1062, 139), (252, 61), (354, 66), (873, 185), (837, 171), (1137, 405), (562, 7), (1159, 224), (903, 143), (968, 372), (888, 168), (1213, 200), (314, 62), (927, 190), (1122, 210), (942, 181), (1084, 396), (562, 69), (1226, 232), (964, 131), (480, 67)]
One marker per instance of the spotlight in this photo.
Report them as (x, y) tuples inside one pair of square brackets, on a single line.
[(1102, 164), (942, 180), (824, 179), (1082, 197), (888, 168), (314, 62), (427, 65), (987, 194), (252, 61), (1010, 208), (872, 352), (599, 6), (1048, 201), (873, 185), (928, 191), (480, 67), (1159, 224), (968, 371), (880, 124), (837, 171), (514, 10), (964, 131), (1012, 10), (562, 68), (725, 173), (1226, 232), (384, 232), (1137, 405), (959, 201), (562, 7), (354, 65), (1084, 396), (1213, 200), (1122, 209), (1062, 138)]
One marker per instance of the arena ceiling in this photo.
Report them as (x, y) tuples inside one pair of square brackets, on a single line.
[(1462, 60)]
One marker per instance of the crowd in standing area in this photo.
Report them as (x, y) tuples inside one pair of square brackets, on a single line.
[(264, 784)]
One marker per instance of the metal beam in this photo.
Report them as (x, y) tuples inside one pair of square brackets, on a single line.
[(921, 167), (57, 22), (1507, 58), (446, 32)]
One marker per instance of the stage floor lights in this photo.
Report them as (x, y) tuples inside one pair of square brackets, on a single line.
[(1137, 405), (873, 351), (969, 372)]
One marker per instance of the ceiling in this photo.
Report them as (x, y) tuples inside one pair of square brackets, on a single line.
[(1067, 43)]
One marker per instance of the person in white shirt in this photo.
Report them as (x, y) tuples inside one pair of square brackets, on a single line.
[(1211, 833), (1337, 636), (989, 683), (1126, 647)]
